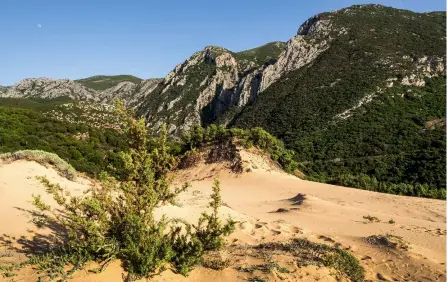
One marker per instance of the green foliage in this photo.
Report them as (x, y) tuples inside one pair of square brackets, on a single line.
[(116, 220), (265, 54), (37, 104), (366, 182), (198, 137), (384, 139), (30, 129), (310, 253), (44, 158), (210, 231), (102, 82)]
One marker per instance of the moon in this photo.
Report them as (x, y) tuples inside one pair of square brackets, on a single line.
[(39, 25)]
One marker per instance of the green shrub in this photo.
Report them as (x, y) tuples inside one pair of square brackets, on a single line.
[(199, 137), (116, 221)]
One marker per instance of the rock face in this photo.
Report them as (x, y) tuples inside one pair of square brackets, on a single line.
[(210, 86), (311, 40), (48, 89), (132, 93)]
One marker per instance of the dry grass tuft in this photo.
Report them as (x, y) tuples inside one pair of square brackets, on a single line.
[(42, 157)]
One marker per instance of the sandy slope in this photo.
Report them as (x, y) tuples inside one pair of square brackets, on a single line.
[(337, 214), (319, 212), (17, 185)]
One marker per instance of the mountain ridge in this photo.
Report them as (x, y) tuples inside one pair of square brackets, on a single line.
[(351, 94)]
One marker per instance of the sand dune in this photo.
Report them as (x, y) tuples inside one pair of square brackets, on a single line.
[(270, 206)]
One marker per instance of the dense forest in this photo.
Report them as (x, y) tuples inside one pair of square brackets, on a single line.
[(395, 144), (395, 139), (87, 148)]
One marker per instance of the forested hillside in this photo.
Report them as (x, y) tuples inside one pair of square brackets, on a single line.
[(88, 149), (357, 115)]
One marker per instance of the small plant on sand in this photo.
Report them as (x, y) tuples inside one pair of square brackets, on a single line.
[(282, 210), (309, 253), (7, 270), (215, 260), (370, 218), (116, 220), (266, 268), (391, 221), (388, 241)]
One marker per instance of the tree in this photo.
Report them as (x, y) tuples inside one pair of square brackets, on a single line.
[(116, 220)]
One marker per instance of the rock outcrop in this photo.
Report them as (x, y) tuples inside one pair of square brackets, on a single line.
[(48, 89), (206, 86), (132, 93), (311, 40), (215, 84)]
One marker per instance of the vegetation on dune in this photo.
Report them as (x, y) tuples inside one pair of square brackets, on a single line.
[(116, 220), (44, 158), (388, 241), (102, 82), (309, 253), (199, 137)]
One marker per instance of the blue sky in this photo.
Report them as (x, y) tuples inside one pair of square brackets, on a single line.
[(79, 38)]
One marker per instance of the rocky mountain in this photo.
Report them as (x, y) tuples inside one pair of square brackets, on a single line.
[(356, 94), (351, 93), (338, 60), (342, 59), (103, 82), (48, 89), (210, 86), (100, 89)]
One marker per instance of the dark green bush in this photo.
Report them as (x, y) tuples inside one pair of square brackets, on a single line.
[(116, 220)]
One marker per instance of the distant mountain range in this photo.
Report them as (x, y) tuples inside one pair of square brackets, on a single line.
[(352, 93), (341, 58)]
